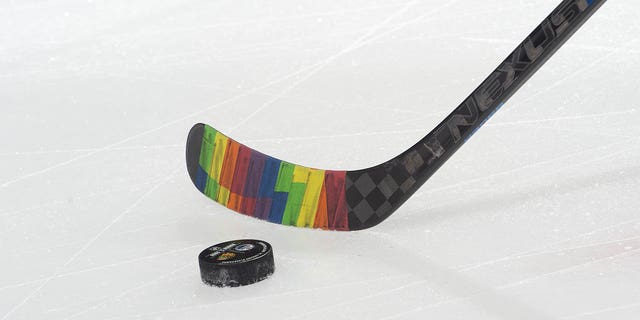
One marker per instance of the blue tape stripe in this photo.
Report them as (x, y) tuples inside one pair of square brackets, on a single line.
[(201, 179), (278, 205), (266, 191), (269, 177)]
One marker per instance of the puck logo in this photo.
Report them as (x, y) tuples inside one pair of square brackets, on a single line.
[(244, 247), (238, 251), (226, 256)]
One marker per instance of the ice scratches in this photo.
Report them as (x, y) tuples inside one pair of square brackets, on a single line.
[(44, 152), (453, 283), (579, 117), (76, 198), (172, 31), (315, 68), (555, 160), (625, 247), (604, 310), (547, 248), (91, 241), (577, 71), (570, 268), (280, 294), (133, 289), (524, 191), (490, 298), (372, 35), (105, 266), (358, 299)]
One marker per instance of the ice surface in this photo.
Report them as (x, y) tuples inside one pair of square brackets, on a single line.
[(536, 217)]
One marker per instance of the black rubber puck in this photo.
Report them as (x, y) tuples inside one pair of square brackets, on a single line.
[(236, 263)]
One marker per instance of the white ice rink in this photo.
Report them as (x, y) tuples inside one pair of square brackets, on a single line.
[(536, 217)]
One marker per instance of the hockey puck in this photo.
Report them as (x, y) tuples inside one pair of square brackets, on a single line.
[(236, 263)]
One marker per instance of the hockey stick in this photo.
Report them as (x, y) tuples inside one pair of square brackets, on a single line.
[(264, 187)]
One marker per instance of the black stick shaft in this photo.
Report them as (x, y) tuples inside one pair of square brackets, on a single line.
[(413, 167)]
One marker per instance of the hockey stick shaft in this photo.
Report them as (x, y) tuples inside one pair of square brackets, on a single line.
[(413, 167)]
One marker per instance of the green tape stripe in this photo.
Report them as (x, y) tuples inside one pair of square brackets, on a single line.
[(209, 134), (206, 157), (285, 177), (294, 203), (206, 150), (212, 188)]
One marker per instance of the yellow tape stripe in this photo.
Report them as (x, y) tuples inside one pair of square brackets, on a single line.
[(315, 180), (223, 196)]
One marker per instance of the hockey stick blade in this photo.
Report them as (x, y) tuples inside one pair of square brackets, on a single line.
[(267, 188)]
